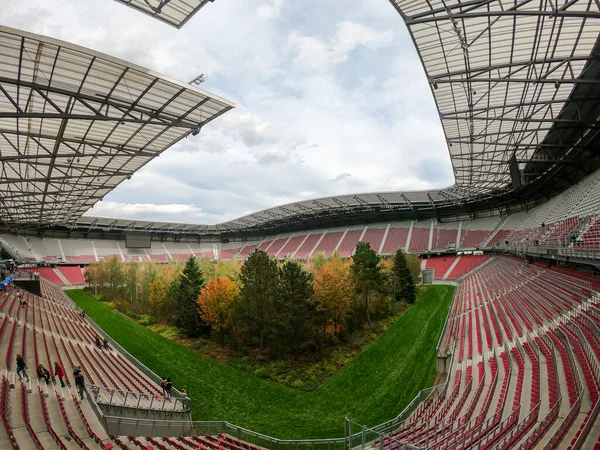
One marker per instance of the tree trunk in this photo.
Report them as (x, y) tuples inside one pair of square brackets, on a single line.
[(367, 307)]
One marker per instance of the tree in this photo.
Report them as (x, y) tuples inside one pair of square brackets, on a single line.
[(260, 278), (189, 283), (333, 289), (414, 266), (403, 279), (295, 307), (367, 273), (319, 260), (216, 303)]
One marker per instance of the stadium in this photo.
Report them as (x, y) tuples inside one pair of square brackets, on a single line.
[(517, 363)]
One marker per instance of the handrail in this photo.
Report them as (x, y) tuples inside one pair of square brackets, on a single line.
[(157, 402)]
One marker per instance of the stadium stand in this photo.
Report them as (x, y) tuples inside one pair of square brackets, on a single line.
[(307, 246), (291, 246), (474, 233), (440, 265), (569, 221), (538, 318), (349, 240), (419, 238), (445, 236), (328, 243), (73, 274), (395, 238)]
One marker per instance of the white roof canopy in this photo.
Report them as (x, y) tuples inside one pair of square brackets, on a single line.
[(75, 123), (173, 12), (501, 72)]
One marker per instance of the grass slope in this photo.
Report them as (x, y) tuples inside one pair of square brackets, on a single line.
[(371, 389)]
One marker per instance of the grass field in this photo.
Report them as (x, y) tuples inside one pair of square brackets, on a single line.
[(371, 389)]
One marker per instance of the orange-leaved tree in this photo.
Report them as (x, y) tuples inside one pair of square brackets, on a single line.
[(217, 301), (334, 288)]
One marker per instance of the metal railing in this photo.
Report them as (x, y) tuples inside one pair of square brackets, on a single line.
[(554, 249), (125, 399)]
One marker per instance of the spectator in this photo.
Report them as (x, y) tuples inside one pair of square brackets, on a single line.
[(163, 383), (21, 367), (185, 400), (60, 373), (98, 342), (42, 372), (82, 314), (169, 387), (79, 382), (106, 344)]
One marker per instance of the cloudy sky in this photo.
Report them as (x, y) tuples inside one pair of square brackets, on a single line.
[(331, 99)]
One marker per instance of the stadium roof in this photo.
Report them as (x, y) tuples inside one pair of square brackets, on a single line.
[(501, 71), (75, 123), (173, 12), (517, 86)]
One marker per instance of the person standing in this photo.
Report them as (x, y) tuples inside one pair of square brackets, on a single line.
[(80, 383), (60, 373), (105, 344), (21, 367), (169, 387), (185, 400)]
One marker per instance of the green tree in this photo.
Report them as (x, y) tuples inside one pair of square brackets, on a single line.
[(367, 274), (259, 277), (319, 260), (414, 266), (296, 309), (404, 284), (189, 284)]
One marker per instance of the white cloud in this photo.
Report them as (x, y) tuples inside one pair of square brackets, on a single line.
[(321, 92), (341, 176), (314, 54), (149, 211)]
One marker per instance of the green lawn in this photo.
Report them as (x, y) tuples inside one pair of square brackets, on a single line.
[(371, 389)]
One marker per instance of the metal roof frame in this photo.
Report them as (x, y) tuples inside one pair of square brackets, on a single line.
[(172, 12), (75, 123)]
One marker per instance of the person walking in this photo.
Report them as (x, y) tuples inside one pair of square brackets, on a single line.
[(169, 387), (42, 372), (79, 382), (59, 370), (21, 367)]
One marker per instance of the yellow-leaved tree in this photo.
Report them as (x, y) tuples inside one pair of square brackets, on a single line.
[(333, 290), (216, 303)]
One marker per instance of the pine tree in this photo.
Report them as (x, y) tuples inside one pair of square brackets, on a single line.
[(404, 284), (260, 278), (296, 309), (189, 284), (367, 273)]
